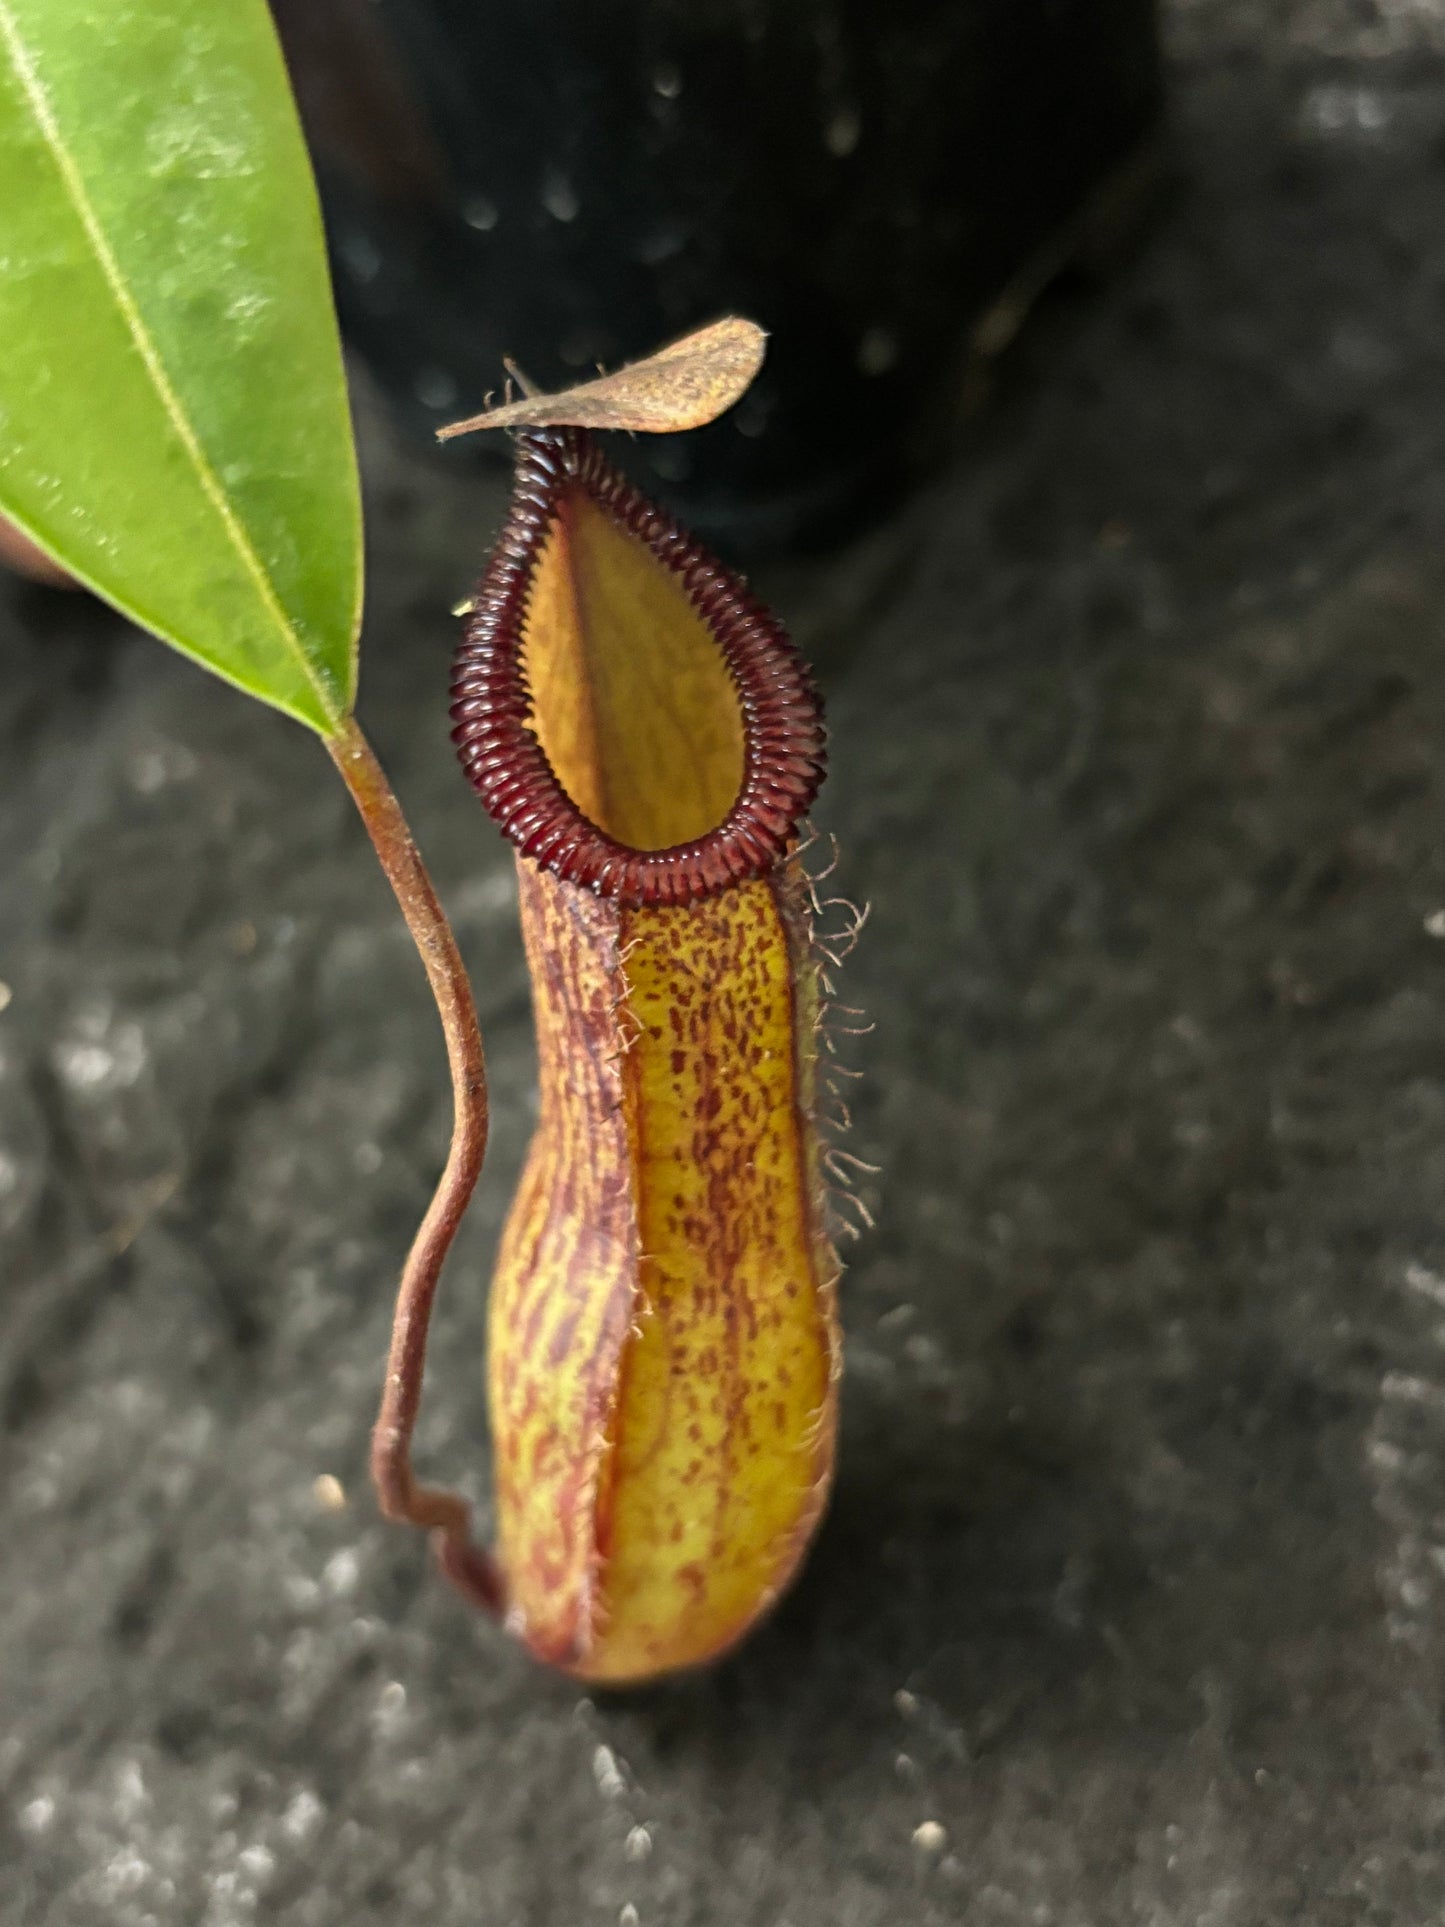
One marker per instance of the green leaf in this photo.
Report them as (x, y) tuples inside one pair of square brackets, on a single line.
[(173, 416)]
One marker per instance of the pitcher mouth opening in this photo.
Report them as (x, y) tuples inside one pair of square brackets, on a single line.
[(633, 719)]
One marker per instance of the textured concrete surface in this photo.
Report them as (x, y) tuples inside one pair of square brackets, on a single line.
[(1131, 1593)]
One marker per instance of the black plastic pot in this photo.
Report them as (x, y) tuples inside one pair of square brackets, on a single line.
[(574, 183)]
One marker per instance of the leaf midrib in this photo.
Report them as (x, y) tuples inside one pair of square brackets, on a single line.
[(74, 186)]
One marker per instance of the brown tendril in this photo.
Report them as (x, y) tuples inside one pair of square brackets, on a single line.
[(444, 1515)]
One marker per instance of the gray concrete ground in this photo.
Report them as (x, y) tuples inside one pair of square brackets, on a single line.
[(1131, 1592)]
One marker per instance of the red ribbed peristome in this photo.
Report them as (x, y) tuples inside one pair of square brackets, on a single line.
[(783, 736)]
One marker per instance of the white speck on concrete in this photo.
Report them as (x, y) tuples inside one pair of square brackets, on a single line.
[(36, 1815), (610, 1782)]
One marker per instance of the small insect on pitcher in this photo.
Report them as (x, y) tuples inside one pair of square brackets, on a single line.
[(664, 1351)]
